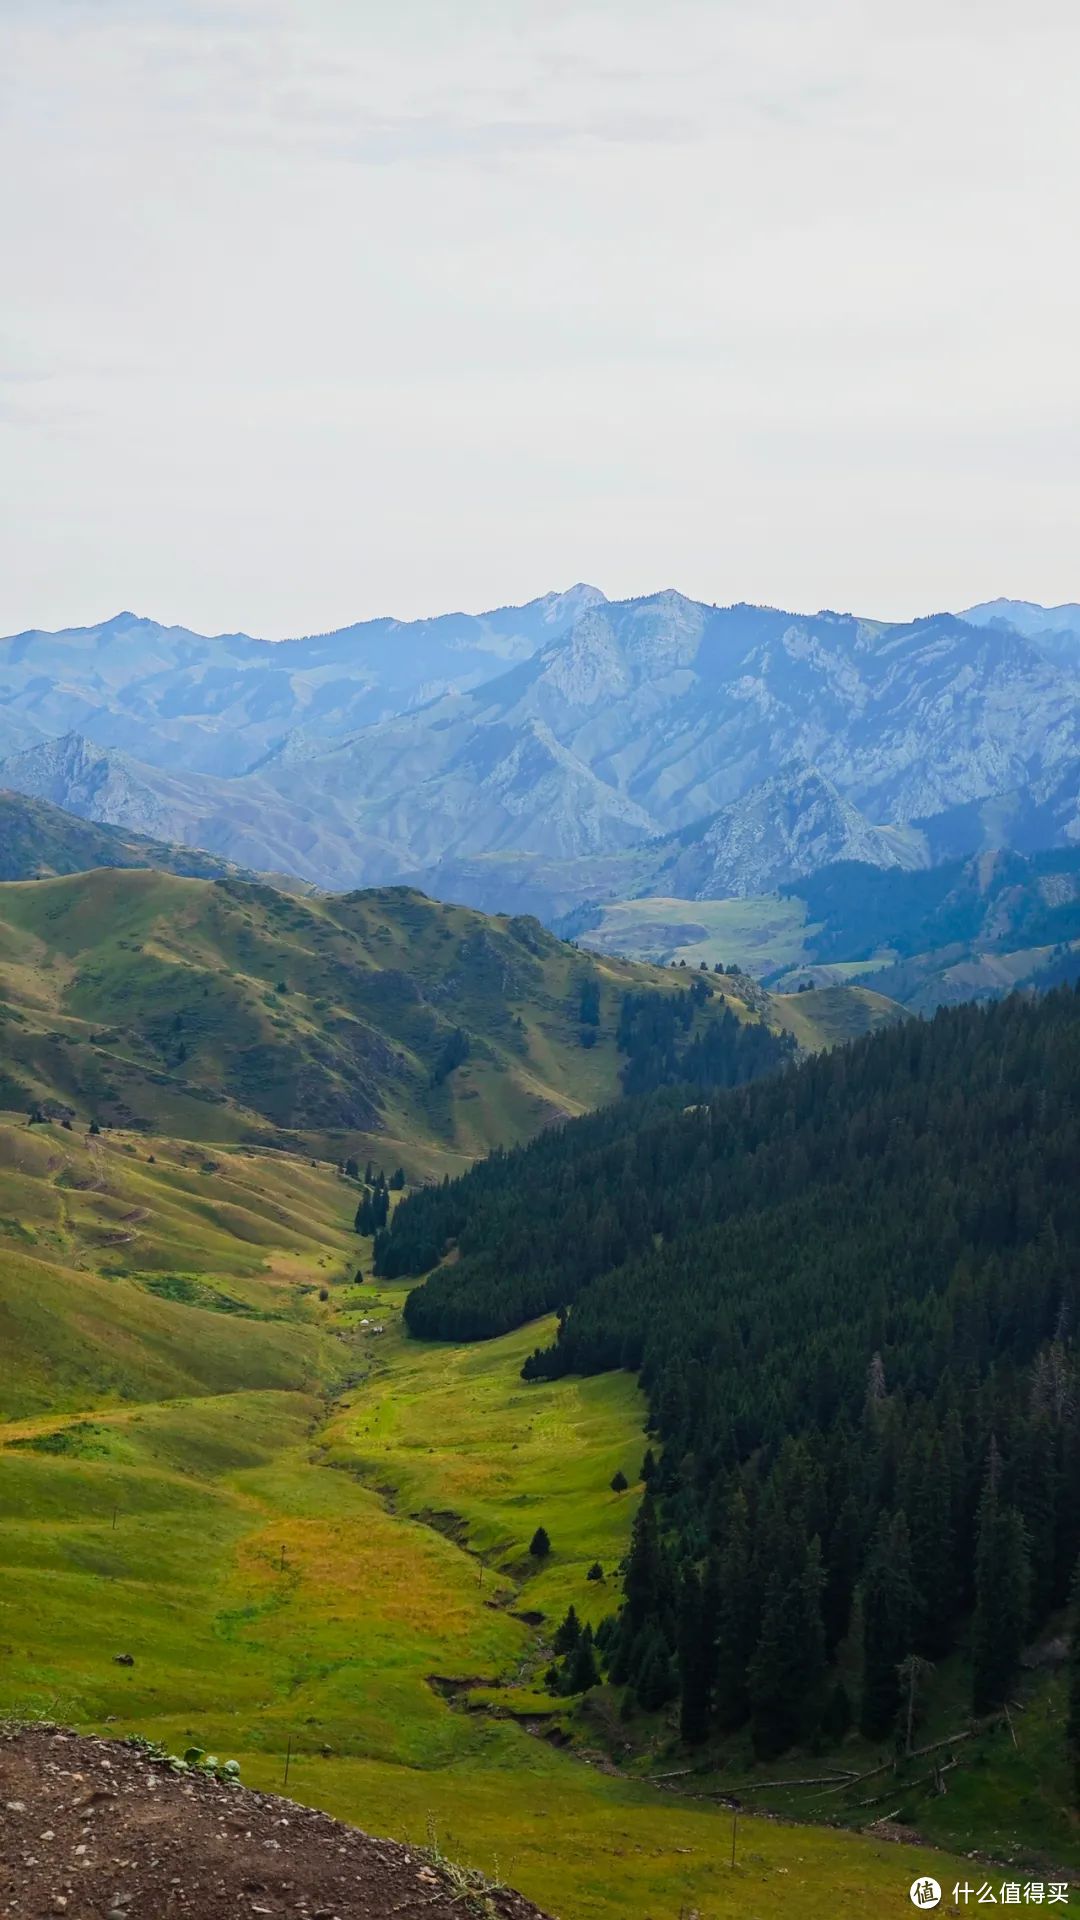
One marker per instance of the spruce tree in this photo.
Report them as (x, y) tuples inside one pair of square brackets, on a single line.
[(888, 1621), (734, 1642), (694, 1662), (540, 1544), (581, 1668), (645, 1574), (1037, 1501), (842, 1571), (1002, 1585), (933, 1548), (836, 1718), (770, 1674), (568, 1634), (658, 1683)]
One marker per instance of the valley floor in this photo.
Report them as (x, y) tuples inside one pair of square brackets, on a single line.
[(234, 1514)]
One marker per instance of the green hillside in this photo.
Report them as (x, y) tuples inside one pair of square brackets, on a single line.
[(968, 929), (373, 1022), (278, 1518), (38, 840), (229, 1010), (762, 933)]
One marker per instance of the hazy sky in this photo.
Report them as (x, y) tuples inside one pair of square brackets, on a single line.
[(319, 310)]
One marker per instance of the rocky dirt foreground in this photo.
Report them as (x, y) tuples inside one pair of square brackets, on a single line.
[(98, 1830)]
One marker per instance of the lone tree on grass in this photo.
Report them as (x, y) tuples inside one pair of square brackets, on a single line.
[(540, 1544), (619, 1482)]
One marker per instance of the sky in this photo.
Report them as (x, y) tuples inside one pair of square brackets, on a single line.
[(324, 310)]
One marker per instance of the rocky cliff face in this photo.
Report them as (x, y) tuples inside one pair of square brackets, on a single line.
[(780, 831)]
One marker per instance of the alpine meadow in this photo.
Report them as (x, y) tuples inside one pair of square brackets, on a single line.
[(539, 961)]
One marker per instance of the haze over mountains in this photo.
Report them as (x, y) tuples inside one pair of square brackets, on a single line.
[(571, 749)]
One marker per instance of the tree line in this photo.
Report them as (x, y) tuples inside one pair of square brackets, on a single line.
[(851, 1294)]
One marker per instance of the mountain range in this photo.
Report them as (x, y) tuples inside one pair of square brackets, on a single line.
[(575, 748)]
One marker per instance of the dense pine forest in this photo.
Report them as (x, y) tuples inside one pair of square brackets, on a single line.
[(851, 1291)]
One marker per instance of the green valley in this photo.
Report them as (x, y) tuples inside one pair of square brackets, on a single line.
[(243, 1505), (306, 1535), (966, 929)]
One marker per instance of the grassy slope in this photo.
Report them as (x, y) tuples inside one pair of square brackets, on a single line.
[(205, 1499), (827, 1016), (229, 1011), (225, 1012), (759, 934), (39, 840), (970, 929)]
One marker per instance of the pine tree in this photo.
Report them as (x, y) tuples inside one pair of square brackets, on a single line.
[(933, 1548), (733, 1645), (836, 1719), (888, 1622), (619, 1481), (694, 1662), (540, 1544), (769, 1676), (658, 1683), (1002, 1585), (645, 1573), (1037, 1501), (913, 1674), (568, 1634), (842, 1572), (581, 1669)]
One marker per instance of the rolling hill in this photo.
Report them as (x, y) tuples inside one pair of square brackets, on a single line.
[(39, 841), (225, 1010)]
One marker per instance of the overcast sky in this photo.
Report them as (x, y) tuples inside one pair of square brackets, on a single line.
[(319, 310)]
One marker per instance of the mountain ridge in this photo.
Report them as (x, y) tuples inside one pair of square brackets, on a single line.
[(615, 724)]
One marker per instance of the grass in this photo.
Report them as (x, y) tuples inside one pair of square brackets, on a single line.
[(827, 1016), (281, 1520), (225, 1011), (457, 1435), (759, 935)]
